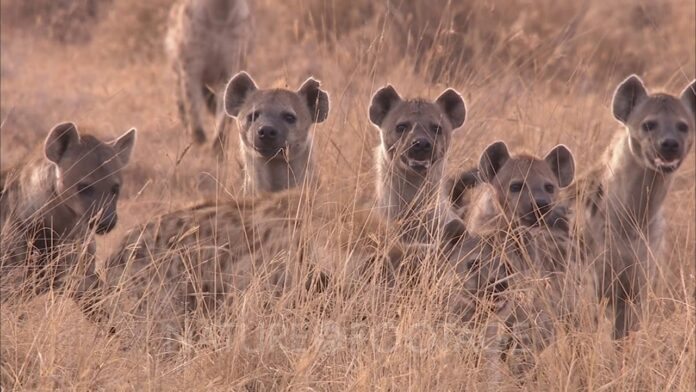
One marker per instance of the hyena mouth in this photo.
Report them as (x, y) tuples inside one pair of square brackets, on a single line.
[(666, 166), (417, 165), (269, 152)]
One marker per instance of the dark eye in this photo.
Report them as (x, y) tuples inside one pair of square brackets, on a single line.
[(549, 188), (116, 189), (649, 126), (682, 127), (290, 118), (401, 128), (516, 187), (435, 128), (85, 190), (251, 117)]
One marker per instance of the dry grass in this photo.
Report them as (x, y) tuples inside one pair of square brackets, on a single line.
[(533, 73)]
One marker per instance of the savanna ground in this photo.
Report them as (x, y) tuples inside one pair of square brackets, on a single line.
[(533, 73)]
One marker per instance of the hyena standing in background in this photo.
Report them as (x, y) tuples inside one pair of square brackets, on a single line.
[(53, 203), (275, 132), (207, 42), (622, 199), (415, 136)]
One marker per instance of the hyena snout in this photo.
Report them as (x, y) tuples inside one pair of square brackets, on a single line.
[(267, 134), (104, 218), (670, 149)]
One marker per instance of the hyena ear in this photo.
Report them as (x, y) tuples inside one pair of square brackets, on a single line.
[(492, 159), (688, 96), (316, 98), (59, 139), (626, 97), (124, 145), (237, 91), (452, 104), (562, 164), (383, 101)]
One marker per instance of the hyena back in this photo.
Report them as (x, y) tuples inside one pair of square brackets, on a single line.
[(202, 258)]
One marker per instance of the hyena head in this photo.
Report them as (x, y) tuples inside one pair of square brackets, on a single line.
[(417, 133), (275, 122), (526, 187), (660, 126), (88, 173)]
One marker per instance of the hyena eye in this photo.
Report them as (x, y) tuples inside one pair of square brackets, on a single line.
[(682, 127), (401, 128), (516, 187), (435, 128), (289, 118), (85, 190), (251, 117), (473, 264), (649, 126), (116, 189), (549, 187)]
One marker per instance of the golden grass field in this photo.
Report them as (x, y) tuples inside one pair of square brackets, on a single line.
[(533, 73)]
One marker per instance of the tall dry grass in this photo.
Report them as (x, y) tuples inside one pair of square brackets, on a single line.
[(533, 73)]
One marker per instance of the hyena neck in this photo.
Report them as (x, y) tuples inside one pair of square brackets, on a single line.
[(273, 175), (635, 193), (402, 193)]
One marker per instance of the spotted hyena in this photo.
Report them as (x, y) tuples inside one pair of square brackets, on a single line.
[(207, 41), (520, 207), (199, 259), (622, 198), (415, 136), (54, 203), (276, 127)]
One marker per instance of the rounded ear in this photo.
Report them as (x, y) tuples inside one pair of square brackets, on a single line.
[(452, 104), (237, 91), (59, 139), (562, 164), (688, 96), (383, 101), (316, 98), (492, 159), (626, 97), (124, 145)]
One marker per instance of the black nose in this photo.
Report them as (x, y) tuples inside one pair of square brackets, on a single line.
[(107, 224), (267, 132), (423, 145), (669, 148), (542, 204), (500, 286)]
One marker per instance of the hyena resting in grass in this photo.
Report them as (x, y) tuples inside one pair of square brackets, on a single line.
[(54, 203), (199, 260), (207, 41), (275, 128), (415, 136), (526, 230), (622, 224)]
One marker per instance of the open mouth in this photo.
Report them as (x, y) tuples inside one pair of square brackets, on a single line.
[(666, 166), (268, 152), (416, 164)]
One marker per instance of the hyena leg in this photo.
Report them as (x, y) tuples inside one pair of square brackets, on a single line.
[(193, 102), (222, 124), (627, 306)]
